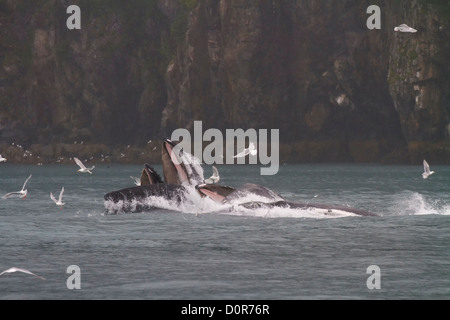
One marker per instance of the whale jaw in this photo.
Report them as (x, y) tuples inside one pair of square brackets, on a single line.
[(216, 192), (135, 199)]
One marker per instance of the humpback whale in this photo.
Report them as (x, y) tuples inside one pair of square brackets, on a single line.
[(151, 185), (140, 193), (273, 199), (181, 171)]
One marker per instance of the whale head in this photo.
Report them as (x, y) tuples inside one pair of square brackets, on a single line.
[(150, 176), (174, 170)]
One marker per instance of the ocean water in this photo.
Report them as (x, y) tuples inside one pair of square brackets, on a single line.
[(202, 251)]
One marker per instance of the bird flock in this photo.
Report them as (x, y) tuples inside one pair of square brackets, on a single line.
[(83, 169), (22, 194), (215, 178)]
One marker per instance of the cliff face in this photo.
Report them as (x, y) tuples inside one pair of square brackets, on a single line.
[(140, 69), (311, 69), (419, 78), (103, 83)]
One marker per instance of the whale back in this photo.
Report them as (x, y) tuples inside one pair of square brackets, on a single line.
[(141, 193)]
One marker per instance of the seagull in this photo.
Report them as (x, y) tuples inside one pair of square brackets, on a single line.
[(137, 181), (2, 159), (82, 166), (214, 178), (14, 269), (404, 28), (426, 170), (22, 193), (59, 201), (250, 150)]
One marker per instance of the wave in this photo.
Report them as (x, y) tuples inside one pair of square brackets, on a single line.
[(415, 203)]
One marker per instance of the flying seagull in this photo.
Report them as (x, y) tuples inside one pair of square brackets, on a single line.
[(250, 150), (82, 166), (426, 170), (59, 201), (14, 269), (404, 28), (22, 193), (2, 159), (137, 181), (214, 178)]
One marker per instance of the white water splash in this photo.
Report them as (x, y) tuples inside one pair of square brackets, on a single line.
[(414, 203), (279, 212), (195, 204), (193, 167)]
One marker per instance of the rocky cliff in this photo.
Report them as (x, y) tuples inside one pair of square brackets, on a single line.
[(419, 77), (137, 70)]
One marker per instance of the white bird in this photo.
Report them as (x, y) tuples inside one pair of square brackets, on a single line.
[(404, 28), (2, 159), (14, 269), (426, 170), (250, 150), (59, 201), (137, 181), (22, 193), (214, 178), (82, 166)]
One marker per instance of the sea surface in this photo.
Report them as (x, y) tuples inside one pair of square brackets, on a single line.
[(202, 251)]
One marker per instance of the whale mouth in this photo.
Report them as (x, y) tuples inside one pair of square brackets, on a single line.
[(174, 169), (149, 176), (183, 171), (180, 167), (215, 192)]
